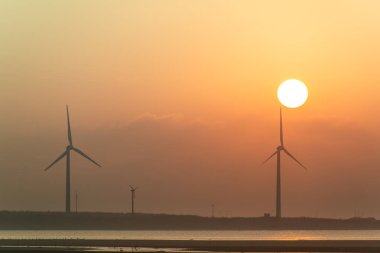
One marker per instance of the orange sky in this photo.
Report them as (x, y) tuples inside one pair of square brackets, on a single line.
[(179, 98)]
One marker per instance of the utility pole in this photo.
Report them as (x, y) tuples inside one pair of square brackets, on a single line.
[(133, 190)]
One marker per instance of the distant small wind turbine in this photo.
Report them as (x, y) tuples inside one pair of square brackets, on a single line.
[(76, 202), (278, 153), (69, 148), (133, 190)]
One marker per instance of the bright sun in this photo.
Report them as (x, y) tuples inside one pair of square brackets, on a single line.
[(292, 93)]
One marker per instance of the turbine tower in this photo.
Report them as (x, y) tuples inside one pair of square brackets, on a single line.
[(69, 148), (278, 154), (133, 190)]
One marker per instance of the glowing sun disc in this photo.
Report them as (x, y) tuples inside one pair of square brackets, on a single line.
[(292, 93)]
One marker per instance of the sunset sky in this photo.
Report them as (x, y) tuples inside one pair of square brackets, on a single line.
[(179, 99)]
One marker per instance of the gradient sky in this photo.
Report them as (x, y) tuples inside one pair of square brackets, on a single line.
[(179, 98)]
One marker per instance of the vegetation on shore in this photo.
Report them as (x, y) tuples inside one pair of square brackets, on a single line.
[(19, 220)]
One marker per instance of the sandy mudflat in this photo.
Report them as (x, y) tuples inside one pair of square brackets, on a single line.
[(80, 245)]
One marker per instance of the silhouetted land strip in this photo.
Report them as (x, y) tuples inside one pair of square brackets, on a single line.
[(207, 245), (119, 221)]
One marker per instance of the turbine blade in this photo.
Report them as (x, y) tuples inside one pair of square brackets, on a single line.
[(287, 152), (281, 132), (56, 160), (268, 158), (69, 127), (85, 156)]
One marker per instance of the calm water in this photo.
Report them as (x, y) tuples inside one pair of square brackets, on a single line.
[(188, 235)]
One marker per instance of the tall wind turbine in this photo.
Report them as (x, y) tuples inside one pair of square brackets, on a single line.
[(133, 190), (278, 153), (69, 148)]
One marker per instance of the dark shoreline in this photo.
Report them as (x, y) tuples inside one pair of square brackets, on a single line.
[(123, 221), (79, 245)]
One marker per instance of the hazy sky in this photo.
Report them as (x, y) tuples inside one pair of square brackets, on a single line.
[(179, 98)]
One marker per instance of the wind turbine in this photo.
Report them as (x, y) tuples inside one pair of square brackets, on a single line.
[(133, 190), (278, 153), (69, 148), (76, 202)]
